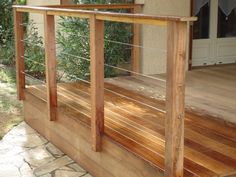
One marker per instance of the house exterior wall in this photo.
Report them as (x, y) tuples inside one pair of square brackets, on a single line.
[(153, 58), (153, 38), (38, 18)]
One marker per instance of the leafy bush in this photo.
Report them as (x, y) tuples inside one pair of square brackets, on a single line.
[(73, 43), (7, 50), (6, 32), (33, 47), (34, 52)]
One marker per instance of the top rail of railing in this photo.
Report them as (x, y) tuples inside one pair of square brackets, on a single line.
[(96, 6), (79, 11)]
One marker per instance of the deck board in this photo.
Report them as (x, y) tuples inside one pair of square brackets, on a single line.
[(210, 147), (209, 90)]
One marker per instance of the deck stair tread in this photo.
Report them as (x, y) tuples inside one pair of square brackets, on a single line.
[(210, 147)]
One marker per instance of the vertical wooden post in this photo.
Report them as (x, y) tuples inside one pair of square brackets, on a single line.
[(135, 56), (174, 123), (19, 47), (97, 81), (51, 72)]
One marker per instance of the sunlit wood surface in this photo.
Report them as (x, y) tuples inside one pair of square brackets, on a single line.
[(209, 90), (210, 146)]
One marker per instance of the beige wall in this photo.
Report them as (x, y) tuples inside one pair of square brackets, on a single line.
[(153, 55), (154, 60), (38, 18)]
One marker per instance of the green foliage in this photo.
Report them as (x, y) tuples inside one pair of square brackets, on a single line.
[(7, 49), (34, 52), (7, 75), (6, 32), (73, 42), (33, 46)]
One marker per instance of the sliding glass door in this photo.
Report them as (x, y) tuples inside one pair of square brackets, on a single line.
[(214, 34)]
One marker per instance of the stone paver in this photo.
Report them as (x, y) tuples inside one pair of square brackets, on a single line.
[(24, 153)]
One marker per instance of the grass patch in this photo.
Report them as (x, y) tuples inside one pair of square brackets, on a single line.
[(7, 75), (10, 107)]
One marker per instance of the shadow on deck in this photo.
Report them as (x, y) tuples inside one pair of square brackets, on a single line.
[(209, 90)]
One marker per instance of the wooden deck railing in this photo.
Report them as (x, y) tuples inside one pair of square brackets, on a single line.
[(176, 55)]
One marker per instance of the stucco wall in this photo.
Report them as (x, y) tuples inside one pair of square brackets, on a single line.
[(38, 18), (154, 60), (153, 55)]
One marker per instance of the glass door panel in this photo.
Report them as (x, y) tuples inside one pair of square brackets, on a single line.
[(226, 19), (201, 9)]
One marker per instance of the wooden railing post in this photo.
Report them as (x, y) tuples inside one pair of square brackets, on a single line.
[(174, 123), (19, 48), (97, 81), (50, 60), (135, 57)]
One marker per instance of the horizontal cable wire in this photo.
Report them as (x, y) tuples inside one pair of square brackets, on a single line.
[(26, 24), (33, 44), (124, 43), (118, 68), (142, 103), (136, 73), (111, 91), (33, 61), (121, 95), (32, 77), (79, 57), (80, 79), (118, 42)]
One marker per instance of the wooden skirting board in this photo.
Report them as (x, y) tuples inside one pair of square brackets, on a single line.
[(73, 138), (133, 144)]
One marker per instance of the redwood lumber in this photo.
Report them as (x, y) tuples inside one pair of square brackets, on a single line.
[(108, 16), (175, 94), (97, 81), (51, 70), (19, 48), (140, 129), (136, 43), (67, 4)]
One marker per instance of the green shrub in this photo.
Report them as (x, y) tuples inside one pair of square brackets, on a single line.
[(6, 32), (34, 52), (73, 43), (33, 47), (7, 45)]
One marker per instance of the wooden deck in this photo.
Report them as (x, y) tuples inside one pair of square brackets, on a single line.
[(209, 90), (138, 126)]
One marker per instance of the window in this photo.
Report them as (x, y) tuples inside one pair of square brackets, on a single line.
[(201, 9), (226, 19)]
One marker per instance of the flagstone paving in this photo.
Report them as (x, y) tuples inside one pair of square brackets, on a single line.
[(24, 153)]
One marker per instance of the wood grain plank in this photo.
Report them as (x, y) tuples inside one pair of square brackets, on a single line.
[(175, 94), (79, 146), (144, 133), (19, 49), (66, 4), (51, 68), (97, 81), (136, 43), (119, 17), (151, 157)]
